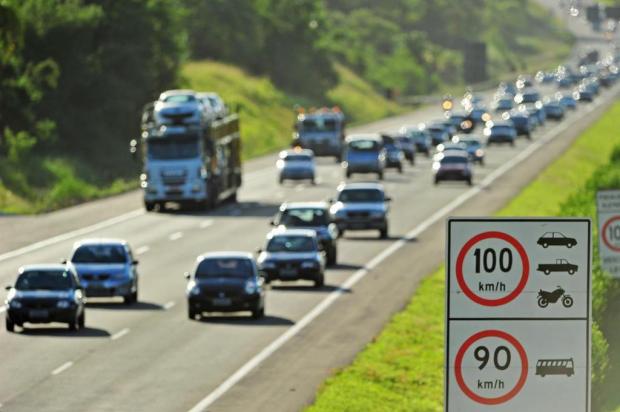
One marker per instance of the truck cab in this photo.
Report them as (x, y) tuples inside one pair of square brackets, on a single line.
[(321, 131)]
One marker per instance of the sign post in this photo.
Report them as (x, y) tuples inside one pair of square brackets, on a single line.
[(518, 315), (608, 210)]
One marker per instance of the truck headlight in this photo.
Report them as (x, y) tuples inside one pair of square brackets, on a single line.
[(63, 304)]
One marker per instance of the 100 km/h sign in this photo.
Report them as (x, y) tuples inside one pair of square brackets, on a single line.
[(518, 315)]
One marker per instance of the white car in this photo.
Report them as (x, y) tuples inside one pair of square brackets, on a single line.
[(297, 164), (178, 107), (217, 105)]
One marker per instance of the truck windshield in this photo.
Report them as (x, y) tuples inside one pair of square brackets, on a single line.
[(173, 148), (318, 125)]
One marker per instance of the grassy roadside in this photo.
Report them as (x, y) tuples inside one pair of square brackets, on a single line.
[(402, 369)]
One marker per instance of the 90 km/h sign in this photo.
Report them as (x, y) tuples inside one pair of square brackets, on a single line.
[(518, 315)]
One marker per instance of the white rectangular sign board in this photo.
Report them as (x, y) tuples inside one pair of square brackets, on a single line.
[(518, 312), (608, 210)]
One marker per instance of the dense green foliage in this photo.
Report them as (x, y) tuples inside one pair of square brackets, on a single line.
[(402, 369)]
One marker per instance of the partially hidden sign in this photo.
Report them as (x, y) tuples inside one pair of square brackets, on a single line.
[(608, 210), (518, 315)]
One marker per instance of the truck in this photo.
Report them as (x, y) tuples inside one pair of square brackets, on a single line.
[(321, 131), (194, 164), (560, 265)]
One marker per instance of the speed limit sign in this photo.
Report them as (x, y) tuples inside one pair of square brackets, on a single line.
[(518, 315), (608, 209)]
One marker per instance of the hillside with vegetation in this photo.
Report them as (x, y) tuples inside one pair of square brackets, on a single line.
[(75, 74)]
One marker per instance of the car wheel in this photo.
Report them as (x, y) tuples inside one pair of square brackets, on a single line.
[(547, 271), (469, 182), (10, 325), (191, 314), (570, 245), (512, 143), (320, 281), (340, 233), (74, 324), (383, 233), (412, 160), (149, 206), (348, 174), (131, 298), (280, 180), (400, 169), (82, 320), (436, 181), (571, 271), (545, 245), (380, 174), (258, 313), (313, 181)]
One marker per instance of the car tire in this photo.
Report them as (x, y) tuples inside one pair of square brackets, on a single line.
[(512, 143), (400, 169), (280, 180), (571, 271), (547, 271), (332, 256), (383, 233), (436, 181), (570, 245), (469, 182), (82, 320), (258, 313), (380, 175), (191, 314), (131, 298), (320, 281), (149, 206), (313, 181), (9, 324), (348, 174), (74, 324)]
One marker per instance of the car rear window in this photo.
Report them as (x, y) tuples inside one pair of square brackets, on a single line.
[(297, 158), (230, 267), (99, 254), (291, 244), (307, 217), (44, 280), (360, 195), (364, 145), (453, 160)]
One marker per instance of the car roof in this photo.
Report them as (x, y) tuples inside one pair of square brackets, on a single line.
[(44, 267), (225, 255), (468, 138), (176, 92), (291, 232), (360, 185), (304, 205), (363, 136), (99, 241), (293, 152), (455, 153), (501, 123)]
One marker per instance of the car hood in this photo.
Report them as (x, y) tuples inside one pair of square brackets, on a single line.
[(354, 207), (97, 268), (44, 294), (277, 256)]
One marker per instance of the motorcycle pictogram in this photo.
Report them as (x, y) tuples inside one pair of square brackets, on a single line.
[(544, 298)]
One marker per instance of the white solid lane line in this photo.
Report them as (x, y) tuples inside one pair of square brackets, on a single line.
[(62, 368), (120, 334), (142, 250), (169, 305), (69, 235), (361, 273), (176, 236), (206, 223)]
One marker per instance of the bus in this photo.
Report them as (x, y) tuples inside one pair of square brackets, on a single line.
[(555, 367)]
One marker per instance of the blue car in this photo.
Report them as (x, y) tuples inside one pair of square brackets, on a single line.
[(364, 154), (106, 268)]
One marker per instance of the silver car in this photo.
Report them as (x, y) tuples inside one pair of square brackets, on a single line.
[(361, 206), (296, 164)]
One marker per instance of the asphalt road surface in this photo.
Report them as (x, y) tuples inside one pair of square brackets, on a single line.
[(150, 357)]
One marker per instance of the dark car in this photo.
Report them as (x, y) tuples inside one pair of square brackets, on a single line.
[(45, 294), (420, 137), (553, 109), (106, 268), (582, 94), (408, 147), (461, 122), (556, 239), (452, 165), (503, 104), (438, 133), (314, 216), (527, 96), (535, 109), (473, 146), (364, 154), (292, 254), (522, 122), (394, 155), (560, 265), (567, 100), (225, 282), (500, 132), (361, 206), (479, 115)]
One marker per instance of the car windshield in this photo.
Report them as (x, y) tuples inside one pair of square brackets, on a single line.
[(297, 158), (310, 217), (360, 196), (531, 97), (218, 268), (44, 280), (318, 125), (172, 148), (99, 254), (180, 98), (291, 244), (470, 143), (501, 129), (404, 140), (364, 145), (453, 160)]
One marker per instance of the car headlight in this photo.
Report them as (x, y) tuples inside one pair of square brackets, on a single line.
[(192, 288), (309, 264), (15, 304), (63, 304), (479, 152), (268, 265), (196, 187), (251, 287)]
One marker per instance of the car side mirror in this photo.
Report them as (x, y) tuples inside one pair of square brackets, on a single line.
[(387, 199), (8, 287), (187, 275), (135, 262), (64, 261), (259, 251)]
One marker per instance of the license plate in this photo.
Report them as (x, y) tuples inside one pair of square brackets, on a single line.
[(288, 272), (38, 313), (357, 225), (222, 302)]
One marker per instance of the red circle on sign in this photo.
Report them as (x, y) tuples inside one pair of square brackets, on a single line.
[(604, 230), (524, 273), (458, 361)]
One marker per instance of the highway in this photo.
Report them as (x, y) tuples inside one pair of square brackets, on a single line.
[(150, 357)]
